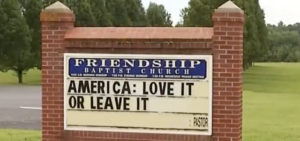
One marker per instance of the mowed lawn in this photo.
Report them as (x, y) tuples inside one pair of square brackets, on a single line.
[(19, 135), (271, 109), (31, 77), (272, 102)]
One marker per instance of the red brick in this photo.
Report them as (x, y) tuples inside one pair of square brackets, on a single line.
[(224, 41), (232, 25)]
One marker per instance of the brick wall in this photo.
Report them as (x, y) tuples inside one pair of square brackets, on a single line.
[(226, 45), (54, 27), (227, 76)]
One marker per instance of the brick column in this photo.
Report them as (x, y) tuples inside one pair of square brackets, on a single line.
[(228, 26), (56, 20)]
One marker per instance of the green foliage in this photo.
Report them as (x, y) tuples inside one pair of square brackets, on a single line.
[(15, 44), (118, 12), (106, 12), (83, 12), (32, 9), (256, 34), (100, 12), (136, 12), (3, 18), (158, 16), (20, 40), (294, 27), (199, 13), (284, 43)]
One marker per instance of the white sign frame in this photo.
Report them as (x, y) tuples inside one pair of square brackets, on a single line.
[(208, 58)]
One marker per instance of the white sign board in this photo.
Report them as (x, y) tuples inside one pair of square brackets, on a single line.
[(170, 94)]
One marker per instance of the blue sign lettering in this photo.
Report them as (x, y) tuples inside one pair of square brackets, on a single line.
[(138, 68)]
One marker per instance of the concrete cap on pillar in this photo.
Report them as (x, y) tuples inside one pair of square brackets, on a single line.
[(229, 7), (57, 7), (57, 12)]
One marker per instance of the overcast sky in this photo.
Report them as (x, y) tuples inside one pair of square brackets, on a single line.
[(173, 6), (287, 11)]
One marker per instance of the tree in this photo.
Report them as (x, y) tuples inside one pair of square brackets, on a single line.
[(199, 13), (158, 16), (3, 18), (102, 17), (16, 42), (106, 12), (256, 34), (32, 9), (294, 27), (83, 12), (118, 13), (284, 43), (136, 12)]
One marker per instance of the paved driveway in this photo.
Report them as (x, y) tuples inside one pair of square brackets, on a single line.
[(20, 107)]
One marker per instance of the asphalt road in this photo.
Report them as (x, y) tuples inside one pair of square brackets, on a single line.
[(20, 107)]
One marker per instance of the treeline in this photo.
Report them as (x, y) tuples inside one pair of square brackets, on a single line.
[(284, 43), (116, 13), (20, 36), (20, 39), (199, 13)]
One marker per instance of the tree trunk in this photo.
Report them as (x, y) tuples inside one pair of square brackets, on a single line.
[(20, 76)]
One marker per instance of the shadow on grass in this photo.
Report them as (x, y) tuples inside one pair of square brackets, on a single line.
[(273, 78)]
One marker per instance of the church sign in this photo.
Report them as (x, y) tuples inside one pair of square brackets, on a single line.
[(138, 93)]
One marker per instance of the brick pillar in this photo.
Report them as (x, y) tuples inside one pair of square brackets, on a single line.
[(228, 22), (56, 20)]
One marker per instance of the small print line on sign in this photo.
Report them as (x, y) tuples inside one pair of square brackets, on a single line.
[(31, 108)]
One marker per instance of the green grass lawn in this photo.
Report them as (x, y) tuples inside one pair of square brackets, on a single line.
[(19, 135), (31, 77), (272, 102), (271, 109)]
